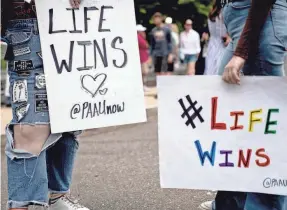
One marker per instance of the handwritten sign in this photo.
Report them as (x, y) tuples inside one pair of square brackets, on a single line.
[(215, 136), (91, 64)]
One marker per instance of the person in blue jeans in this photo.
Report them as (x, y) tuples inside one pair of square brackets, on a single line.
[(39, 163), (258, 29)]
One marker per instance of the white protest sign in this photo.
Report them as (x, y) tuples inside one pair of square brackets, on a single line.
[(216, 136), (91, 63)]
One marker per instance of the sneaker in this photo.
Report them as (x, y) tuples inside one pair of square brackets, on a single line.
[(206, 205), (66, 203)]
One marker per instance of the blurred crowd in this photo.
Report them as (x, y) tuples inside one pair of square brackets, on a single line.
[(165, 49)]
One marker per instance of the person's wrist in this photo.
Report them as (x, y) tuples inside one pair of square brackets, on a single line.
[(239, 59)]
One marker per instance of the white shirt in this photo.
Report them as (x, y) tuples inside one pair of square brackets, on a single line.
[(190, 42)]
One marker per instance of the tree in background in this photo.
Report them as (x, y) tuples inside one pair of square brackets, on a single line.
[(179, 10)]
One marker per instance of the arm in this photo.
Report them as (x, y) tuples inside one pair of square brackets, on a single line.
[(198, 47), (169, 46), (152, 42), (169, 41), (224, 34), (181, 54), (142, 43), (180, 41), (176, 50), (248, 43), (249, 40), (176, 38)]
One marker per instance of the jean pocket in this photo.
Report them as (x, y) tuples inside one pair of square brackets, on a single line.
[(19, 40), (18, 162), (279, 19), (19, 36), (241, 4)]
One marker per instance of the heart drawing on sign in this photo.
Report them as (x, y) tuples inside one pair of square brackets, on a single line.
[(94, 85), (103, 91)]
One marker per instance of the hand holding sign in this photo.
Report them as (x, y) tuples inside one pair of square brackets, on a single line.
[(223, 137), (232, 70), (75, 3)]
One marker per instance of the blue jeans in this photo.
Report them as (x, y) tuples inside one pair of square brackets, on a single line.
[(273, 38), (31, 180), (269, 62), (188, 58), (31, 177)]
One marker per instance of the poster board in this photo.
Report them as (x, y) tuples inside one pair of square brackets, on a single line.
[(91, 63), (216, 136)]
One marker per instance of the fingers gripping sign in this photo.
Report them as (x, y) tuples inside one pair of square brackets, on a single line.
[(75, 3), (232, 70)]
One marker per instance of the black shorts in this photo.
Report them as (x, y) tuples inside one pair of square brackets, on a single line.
[(161, 65)]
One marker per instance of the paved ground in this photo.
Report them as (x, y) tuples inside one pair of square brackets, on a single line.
[(117, 169)]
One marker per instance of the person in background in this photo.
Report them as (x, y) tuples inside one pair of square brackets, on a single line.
[(39, 163), (175, 43), (190, 46), (175, 35), (219, 39), (161, 45), (200, 63), (258, 30), (144, 55)]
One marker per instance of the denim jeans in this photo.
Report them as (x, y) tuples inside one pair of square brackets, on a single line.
[(31, 177), (31, 180), (273, 38), (269, 62)]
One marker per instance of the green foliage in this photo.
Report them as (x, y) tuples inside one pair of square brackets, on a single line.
[(179, 10), (201, 8), (143, 10), (3, 65), (179, 25), (185, 1)]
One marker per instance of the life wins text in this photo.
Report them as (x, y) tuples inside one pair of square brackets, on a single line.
[(101, 47)]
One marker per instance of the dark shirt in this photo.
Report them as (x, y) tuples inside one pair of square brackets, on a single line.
[(161, 41), (23, 10), (16, 9)]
